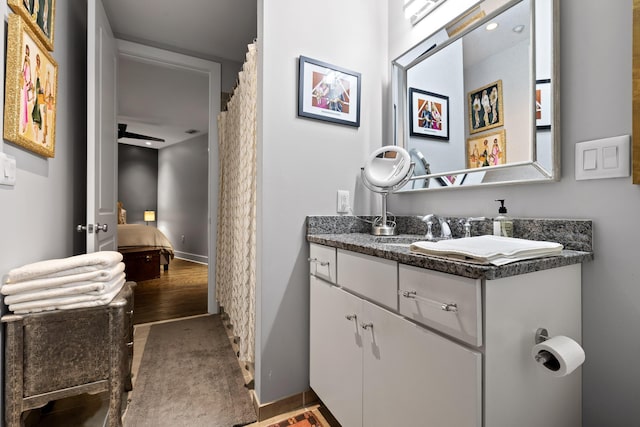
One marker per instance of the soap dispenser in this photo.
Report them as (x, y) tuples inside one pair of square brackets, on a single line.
[(502, 224)]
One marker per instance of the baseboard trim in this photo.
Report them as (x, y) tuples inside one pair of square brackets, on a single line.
[(287, 404), (201, 259)]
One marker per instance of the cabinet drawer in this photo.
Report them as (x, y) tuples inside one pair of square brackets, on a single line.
[(423, 293), (372, 277), (322, 262)]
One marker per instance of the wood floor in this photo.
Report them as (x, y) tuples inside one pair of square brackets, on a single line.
[(179, 292)]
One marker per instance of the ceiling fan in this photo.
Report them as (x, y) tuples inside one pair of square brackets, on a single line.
[(122, 133)]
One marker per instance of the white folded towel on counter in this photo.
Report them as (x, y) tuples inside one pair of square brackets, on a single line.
[(65, 266), (73, 280), (110, 290), (496, 250)]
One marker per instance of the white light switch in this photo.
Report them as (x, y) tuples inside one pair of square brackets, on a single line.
[(7, 170), (603, 158), (590, 159)]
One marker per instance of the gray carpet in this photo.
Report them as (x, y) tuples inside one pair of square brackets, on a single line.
[(189, 376)]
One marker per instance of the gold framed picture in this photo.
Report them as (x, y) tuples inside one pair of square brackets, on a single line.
[(488, 149), (31, 90), (40, 15), (486, 110)]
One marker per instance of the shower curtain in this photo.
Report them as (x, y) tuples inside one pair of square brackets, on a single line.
[(236, 231)]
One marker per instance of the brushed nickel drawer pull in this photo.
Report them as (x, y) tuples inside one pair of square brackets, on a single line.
[(317, 261), (444, 306)]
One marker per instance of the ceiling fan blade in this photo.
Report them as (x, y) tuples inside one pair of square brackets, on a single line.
[(122, 133), (145, 137)]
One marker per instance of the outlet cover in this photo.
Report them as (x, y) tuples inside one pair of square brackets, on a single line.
[(342, 205)]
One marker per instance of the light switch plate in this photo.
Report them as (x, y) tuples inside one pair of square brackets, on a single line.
[(7, 170), (603, 158)]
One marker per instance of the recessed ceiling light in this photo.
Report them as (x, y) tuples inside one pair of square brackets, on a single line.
[(492, 26), (518, 28)]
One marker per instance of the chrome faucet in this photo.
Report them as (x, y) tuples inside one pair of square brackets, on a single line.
[(445, 230), (467, 224)]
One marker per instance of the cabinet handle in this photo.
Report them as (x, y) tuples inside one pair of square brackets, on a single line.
[(366, 326), (351, 317), (317, 261), (444, 306)]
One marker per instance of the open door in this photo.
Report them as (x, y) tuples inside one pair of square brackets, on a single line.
[(102, 147)]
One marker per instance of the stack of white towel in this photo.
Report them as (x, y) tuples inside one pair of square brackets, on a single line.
[(86, 280)]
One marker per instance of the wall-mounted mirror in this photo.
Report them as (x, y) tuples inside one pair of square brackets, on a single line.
[(479, 102)]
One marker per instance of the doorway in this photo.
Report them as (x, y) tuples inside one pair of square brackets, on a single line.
[(143, 98)]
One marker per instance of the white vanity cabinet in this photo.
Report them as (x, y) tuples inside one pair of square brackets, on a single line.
[(372, 367), (448, 351)]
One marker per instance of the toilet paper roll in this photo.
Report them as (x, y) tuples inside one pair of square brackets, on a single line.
[(559, 355)]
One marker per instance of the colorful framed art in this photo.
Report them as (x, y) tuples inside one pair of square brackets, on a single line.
[(39, 15), (329, 93), (31, 89), (488, 149), (429, 114), (486, 110)]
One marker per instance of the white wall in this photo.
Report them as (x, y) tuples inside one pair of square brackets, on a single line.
[(595, 72), (38, 215), (302, 162)]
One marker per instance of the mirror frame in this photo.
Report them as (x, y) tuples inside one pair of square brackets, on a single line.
[(400, 107), (636, 94)]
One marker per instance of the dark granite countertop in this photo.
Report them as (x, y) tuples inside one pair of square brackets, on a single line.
[(396, 248)]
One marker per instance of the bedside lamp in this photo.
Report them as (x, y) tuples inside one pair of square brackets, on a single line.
[(149, 216)]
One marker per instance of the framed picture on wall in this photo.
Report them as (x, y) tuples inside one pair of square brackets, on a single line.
[(543, 104), (488, 149), (429, 114), (486, 110), (39, 15), (31, 89), (329, 93)]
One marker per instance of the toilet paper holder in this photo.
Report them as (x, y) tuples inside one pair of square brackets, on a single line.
[(543, 357), (541, 335)]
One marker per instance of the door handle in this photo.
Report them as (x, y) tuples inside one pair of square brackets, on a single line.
[(89, 228)]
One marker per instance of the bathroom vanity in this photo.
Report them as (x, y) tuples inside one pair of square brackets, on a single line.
[(404, 339)]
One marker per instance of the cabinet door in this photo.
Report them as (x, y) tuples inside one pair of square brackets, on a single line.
[(336, 351), (415, 377)]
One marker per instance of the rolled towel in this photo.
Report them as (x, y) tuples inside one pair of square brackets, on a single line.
[(54, 303), (65, 266), (73, 280)]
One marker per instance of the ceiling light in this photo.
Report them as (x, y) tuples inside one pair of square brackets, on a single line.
[(148, 143), (492, 26), (518, 28)]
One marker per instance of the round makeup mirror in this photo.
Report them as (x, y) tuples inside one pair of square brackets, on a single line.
[(387, 169)]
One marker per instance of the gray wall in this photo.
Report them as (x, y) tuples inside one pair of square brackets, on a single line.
[(301, 165), (183, 197), (38, 215), (596, 93), (138, 181)]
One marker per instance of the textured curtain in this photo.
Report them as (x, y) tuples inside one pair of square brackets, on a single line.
[(236, 233)]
